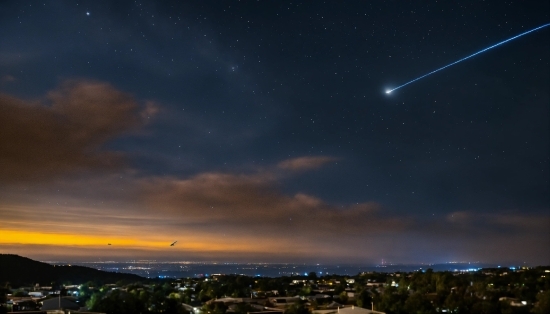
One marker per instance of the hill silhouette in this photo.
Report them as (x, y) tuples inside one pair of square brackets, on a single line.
[(19, 270)]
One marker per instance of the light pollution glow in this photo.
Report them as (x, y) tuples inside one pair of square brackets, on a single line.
[(70, 200)]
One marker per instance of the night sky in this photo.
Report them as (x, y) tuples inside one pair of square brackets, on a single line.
[(261, 131)]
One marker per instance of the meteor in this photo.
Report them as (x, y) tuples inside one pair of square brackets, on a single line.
[(468, 57)]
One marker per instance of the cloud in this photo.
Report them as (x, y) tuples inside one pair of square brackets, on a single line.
[(211, 214), (245, 216), (10, 59), (236, 216), (305, 163), (508, 221), (7, 78), (253, 205), (64, 131)]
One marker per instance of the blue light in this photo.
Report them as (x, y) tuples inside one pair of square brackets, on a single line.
[(468, 57)]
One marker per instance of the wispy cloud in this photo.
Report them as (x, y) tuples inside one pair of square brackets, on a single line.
[(253, 205), (305, 163), (7, 78)]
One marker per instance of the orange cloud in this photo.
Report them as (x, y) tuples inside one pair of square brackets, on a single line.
[(236, 216), (305, 163), (64, 131), (252, 205), (243, 217)]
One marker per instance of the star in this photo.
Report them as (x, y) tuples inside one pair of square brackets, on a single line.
[(88, 13)]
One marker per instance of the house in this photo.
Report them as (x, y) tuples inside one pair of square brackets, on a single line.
[(226, 301), (512, 301), (235, 307), (22, 304), (348, 310), (38, 294), (283, 301), (59, 303), (333, 306), (318, 296), (268, 311)]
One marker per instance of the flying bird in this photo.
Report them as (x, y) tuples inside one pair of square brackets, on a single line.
[(173, 243)]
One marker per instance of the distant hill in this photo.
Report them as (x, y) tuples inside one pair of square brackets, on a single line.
[(18, 270)]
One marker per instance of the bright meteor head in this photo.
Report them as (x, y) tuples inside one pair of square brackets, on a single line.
[(388, 91)]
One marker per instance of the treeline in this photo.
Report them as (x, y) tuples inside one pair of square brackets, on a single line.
[(489, 291), (135, 298), (492, 291), (19, 271)]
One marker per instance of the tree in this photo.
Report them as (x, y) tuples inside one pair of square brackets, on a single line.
[(543, 303), (339, 288), (297, 308), (364, 299), (343, 296), (3, 300), (84, 293), (243, 308), (91, 284), (117, 302), (313, 305), (305, 291), (390, 301), (171, 306), (214, 308), (93, 302), (455, 303), (484, 307), (418, 303)]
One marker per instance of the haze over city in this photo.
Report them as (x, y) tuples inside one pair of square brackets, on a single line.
[(261, 131)]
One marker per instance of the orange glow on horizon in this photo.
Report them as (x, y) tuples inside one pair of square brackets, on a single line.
[(72, 240), (47, 238)]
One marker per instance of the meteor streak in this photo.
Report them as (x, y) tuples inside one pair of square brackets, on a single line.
[(468, 57)]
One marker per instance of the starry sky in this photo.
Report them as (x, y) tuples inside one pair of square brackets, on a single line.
[(261, 131)]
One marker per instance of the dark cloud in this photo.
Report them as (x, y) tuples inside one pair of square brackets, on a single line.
[(469, 222), (65, 130)]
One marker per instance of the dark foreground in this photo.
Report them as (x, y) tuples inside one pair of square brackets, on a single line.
[(488, 290)]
